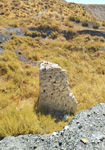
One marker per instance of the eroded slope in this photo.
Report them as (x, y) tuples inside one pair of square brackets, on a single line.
[(97, 10)]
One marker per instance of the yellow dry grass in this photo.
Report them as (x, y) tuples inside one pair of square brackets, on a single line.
[(19, 82)]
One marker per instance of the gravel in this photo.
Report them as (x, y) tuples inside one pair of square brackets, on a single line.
[(97, 10), (1, 50), (86, 131), (16, 30), (3, 38)]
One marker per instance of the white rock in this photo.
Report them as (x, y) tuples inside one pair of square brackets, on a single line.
[(65, 117), (66, 127)]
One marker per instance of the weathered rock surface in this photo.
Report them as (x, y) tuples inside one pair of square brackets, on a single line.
[(3, 38), (85, 132), (22, 58), (97, 10), (54, 91), (16, 30), (1, 50)]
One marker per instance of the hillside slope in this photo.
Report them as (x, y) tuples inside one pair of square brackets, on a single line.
[(40, 13), (97, 10), (55, 31)]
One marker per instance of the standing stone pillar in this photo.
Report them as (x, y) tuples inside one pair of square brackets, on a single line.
[(54, 91)]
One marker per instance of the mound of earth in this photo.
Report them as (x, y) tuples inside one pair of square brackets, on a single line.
[(86, 131)]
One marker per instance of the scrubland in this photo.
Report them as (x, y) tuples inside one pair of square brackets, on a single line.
[(80, 55)]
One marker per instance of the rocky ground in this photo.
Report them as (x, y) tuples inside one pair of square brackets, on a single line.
[(85, 132), (97, 10), (7, 35)]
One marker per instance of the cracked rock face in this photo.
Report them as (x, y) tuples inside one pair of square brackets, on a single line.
[(86, 131), (54, 91)]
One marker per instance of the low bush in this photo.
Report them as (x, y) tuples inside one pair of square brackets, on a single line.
[(93, 47), (53, 35), (44, 34), (33, 33), (95, 26), (77, 20), (36, 34), (103, 24), (68, 23), (70, 31), (72, 18)]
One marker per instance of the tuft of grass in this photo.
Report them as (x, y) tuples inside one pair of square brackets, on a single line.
[(95, 26), (16, 121), (72, 18), (19, 82), (53, 35), (85, 23), (103, 23)]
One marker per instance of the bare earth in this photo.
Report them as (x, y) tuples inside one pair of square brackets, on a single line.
[(97, 10)]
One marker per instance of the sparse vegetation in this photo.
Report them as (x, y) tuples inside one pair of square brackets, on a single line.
[(70, 31), (85, 23), (103, 23), (95, 25), (27, 13), (53, 35), (33, 33), (16, 122), (77, 20), (19, 82), (72, 18)]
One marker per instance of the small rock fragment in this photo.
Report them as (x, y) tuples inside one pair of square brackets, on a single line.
[(84, 141)]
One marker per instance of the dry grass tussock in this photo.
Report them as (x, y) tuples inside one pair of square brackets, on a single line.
[(40, 13), (84, 63), (24, 121)]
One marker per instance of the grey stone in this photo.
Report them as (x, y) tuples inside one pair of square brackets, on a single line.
[(3, 38), (1, 50)]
